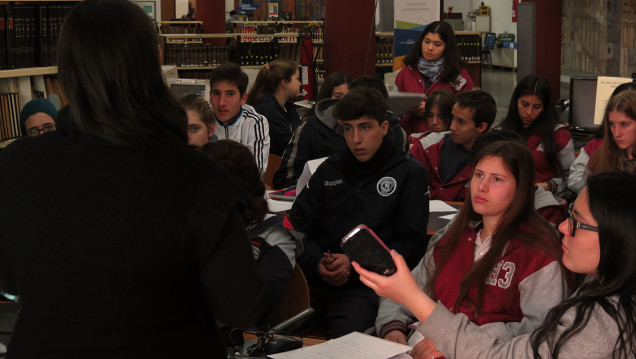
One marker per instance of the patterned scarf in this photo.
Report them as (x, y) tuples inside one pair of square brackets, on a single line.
[(431, 69), (624, 164)]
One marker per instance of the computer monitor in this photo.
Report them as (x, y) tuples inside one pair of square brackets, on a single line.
[(182, 87), (582, 103)]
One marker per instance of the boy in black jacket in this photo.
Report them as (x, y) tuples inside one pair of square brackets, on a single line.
[(372, 183)]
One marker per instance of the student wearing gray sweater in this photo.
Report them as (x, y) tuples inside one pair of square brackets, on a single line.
[(598, 321)]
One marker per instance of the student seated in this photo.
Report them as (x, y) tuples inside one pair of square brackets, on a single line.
[(234, 119), (446, 155), (336, 85), (438, 113), (552, 208), (577, 169), (201, 122), (276, 86), (370, 183), (498, 262), (321, 136), (37, 117), (532, 115), (275, 248), (598, 321)]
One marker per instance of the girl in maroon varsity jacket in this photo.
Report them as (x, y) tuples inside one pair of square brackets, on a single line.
[(531, 115), (498, 261)]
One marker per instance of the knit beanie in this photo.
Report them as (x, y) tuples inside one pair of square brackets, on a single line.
[(34, 106)]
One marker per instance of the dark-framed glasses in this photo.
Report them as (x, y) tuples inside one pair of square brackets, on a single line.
[(573, 224), (34, 131)]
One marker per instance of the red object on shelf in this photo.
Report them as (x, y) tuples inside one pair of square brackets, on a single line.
[(308, 68)]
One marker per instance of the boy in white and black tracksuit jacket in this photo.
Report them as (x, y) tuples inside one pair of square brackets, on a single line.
[(250, 129)]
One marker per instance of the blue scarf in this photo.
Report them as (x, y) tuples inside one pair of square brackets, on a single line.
[(431, 69)]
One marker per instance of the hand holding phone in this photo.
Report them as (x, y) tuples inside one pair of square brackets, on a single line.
[(364, 247)]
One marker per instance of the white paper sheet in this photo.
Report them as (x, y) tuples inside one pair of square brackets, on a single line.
[(308, 171), (352, 346), (277, 206), (440, 206)]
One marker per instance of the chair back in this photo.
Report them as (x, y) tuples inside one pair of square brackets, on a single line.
[(273, 163), (489, 41), (295, 298)]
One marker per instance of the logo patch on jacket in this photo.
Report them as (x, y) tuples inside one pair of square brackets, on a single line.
[(332, 183), (386, 186)]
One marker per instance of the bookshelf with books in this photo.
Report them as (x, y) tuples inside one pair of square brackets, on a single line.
[(383, 53), (469, 45), (28, 49), (254, 44), (180, 27)]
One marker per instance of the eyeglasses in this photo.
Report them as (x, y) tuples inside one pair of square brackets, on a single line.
[(573, 224), (34, 131)]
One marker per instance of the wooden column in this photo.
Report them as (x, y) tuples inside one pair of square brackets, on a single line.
[(348, 26), (548, 42), (212, 13)]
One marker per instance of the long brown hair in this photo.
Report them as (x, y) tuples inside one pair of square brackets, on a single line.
[(269, 77), (604, 160), (518, 160)]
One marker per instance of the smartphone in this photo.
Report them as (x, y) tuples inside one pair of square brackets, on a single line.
[(364, 247)]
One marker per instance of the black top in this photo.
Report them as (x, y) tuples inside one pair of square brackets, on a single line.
[(392, 201), (122, 251), (282, 122)]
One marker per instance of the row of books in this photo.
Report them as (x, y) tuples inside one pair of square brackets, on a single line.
[(180, 28), (9, 116), (196, 54), (29, 33), (254, 54), (247, 54), (384, 51), (469, 47)]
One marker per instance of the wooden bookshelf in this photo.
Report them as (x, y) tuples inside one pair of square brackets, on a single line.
[(28, 71)]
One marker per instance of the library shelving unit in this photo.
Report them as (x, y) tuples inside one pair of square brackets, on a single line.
[(255, 43), (469, 44), (180, 27), (28, 45), (383, 53)]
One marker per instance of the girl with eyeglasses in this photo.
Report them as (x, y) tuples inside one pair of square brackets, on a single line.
[(598, 321)]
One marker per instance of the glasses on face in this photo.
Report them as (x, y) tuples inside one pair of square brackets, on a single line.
[(34, 131), (573, 224)]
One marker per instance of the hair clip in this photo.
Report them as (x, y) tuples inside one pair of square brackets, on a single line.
[(266, 67)]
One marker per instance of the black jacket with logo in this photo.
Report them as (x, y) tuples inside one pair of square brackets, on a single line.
[(393, 202)]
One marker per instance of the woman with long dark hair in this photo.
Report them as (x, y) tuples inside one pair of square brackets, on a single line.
[(532, 115), (598, 321), (123, 241), (498, 262), (434, 63)]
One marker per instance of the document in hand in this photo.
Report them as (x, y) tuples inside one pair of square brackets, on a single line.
[(353, 346)]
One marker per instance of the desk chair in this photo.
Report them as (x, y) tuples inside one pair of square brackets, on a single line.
[(486, 50), (295, 298), (273, 163)]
